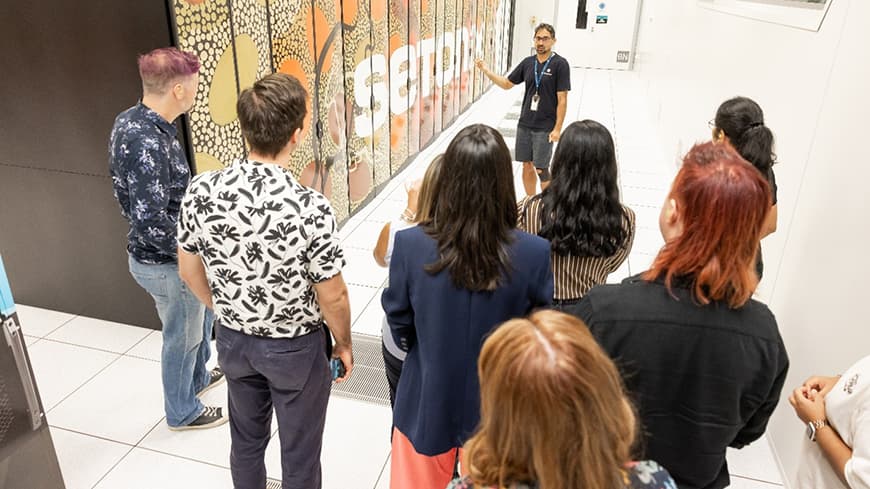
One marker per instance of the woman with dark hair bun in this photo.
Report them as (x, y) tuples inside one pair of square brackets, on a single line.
[(704, 362), (456, 275), (740, 121), (589, 230)]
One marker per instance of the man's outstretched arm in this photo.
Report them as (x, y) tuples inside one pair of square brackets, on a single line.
[(497, 79)]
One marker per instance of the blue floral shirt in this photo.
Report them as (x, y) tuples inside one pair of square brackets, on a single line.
[(150, 174)]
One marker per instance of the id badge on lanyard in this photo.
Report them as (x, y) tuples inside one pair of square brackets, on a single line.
[(536, 98)]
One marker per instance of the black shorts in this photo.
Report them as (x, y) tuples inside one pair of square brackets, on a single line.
[(534, 146)]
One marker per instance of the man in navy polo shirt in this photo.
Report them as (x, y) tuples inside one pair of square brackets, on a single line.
[(548, 79)]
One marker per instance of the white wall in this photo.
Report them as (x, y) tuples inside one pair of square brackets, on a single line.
[(527, 15), (815, 90)]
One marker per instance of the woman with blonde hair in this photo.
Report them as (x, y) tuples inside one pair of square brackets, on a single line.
[(421, 196), (554, 413)]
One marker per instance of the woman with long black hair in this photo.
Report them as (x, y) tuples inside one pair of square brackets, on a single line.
[(589, 230), (453, 278)]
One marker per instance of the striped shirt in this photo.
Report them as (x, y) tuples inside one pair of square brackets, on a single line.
[(573, 276)]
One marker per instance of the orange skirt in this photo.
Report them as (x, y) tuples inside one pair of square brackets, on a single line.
[(412, 470)]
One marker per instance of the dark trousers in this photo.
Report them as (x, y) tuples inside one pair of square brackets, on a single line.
[(393, 368), (291, 375)]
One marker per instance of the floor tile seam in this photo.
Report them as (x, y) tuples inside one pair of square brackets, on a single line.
[(363, 212), (86, 382), (358, 248), (366, 306), (91, 435), (370, 336), (352, 396), (366, 285), (102, 350), (150, 430), (642, 171), (140, 357), (113, 467), (379, 368), (613, 118), (383, 469), (140, 341), (346, 223), (45, 336), (635, 187), (631, 204), (378, 220), (189, 459), (580, 107), (756, 479)]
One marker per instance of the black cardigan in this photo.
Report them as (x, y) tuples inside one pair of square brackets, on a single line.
[(703, 377)]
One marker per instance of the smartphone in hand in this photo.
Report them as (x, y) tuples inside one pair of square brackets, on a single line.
[(337, 368)]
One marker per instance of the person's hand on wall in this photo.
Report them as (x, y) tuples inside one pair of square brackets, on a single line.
[(480, 65)]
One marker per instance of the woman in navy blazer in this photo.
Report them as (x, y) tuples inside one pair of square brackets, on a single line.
[(454, 278)]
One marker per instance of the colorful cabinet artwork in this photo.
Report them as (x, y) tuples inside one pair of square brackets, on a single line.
[(384, 78)]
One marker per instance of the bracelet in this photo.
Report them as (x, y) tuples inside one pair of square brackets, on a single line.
[(408, 215)]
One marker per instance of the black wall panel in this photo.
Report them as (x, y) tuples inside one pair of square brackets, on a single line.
[(70, 68)]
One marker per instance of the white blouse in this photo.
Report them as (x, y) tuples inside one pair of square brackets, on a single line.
[(848, 410)]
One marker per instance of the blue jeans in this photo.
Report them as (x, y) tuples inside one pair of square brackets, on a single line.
[(187, 327)]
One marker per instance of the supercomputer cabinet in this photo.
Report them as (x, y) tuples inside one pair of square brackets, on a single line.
[(27, 456)]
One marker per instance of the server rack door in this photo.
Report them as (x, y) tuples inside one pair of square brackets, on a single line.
[(27, 455)]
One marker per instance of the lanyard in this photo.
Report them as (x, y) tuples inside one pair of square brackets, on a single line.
[(538, 77)]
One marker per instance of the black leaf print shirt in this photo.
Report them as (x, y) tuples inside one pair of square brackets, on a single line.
[(265, 240)]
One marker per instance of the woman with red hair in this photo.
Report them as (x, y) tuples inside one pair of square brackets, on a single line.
[(704, 362)]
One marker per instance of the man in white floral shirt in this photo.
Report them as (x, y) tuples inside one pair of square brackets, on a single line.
[(262, 251)]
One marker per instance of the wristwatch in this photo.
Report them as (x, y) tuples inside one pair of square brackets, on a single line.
[(814, 426)]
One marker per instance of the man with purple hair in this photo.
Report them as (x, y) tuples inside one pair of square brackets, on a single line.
[(150, 174)]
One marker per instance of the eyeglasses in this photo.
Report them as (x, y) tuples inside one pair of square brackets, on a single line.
[(543, 39), (711, 123)]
